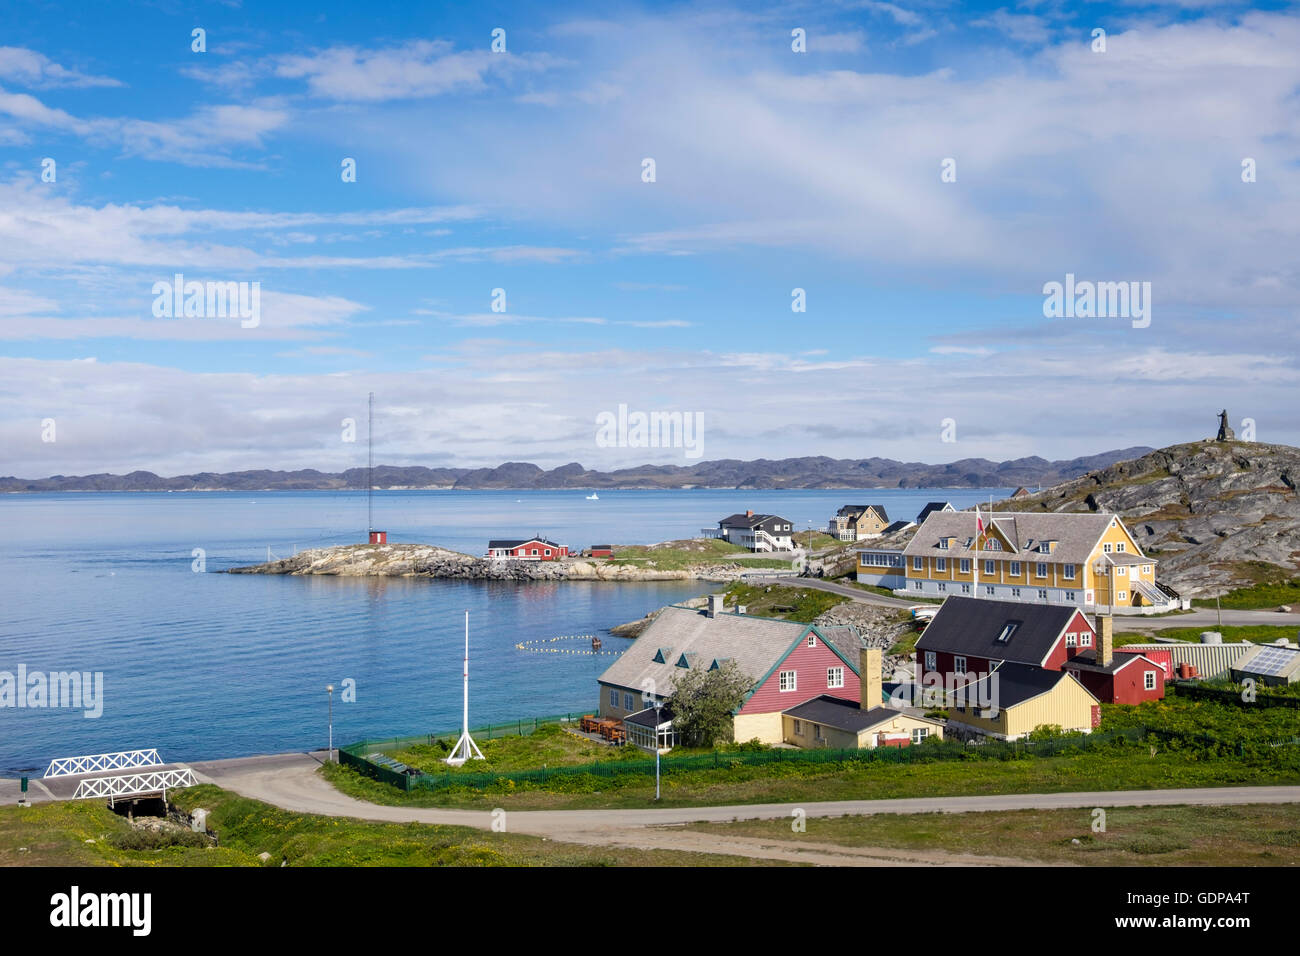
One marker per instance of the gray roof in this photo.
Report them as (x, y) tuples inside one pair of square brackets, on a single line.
[(846, 715), (931, 507), (1076, 535), (971, 627), (646, 718), (757, 644), (1017, 683)]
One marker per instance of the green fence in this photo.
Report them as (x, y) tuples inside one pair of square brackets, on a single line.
[(362, 757)]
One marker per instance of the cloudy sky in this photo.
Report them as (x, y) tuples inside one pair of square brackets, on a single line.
[(127, 156)]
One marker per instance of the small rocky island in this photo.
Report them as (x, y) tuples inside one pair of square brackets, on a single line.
[(429, 561)]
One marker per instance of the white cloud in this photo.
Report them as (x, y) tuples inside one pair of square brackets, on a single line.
[(35, 70)]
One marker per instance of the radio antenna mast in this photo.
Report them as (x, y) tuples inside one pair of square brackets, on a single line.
[(370, 467)]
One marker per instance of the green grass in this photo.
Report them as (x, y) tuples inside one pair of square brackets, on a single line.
[(55, 834), (765, 600), (1135, 768), (679, 555), (1258, 835), (1256, 633), (906, 644), (1272, 587)]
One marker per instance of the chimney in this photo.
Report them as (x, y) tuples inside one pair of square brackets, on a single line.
[(1105, 640), (715, 605), (869, 678), (749, 513)]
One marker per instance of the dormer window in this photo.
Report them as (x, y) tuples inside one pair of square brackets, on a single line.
[(1007, 630), (992, 544), (943, 544)]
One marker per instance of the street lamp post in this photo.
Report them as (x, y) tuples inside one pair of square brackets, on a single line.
[(329, 756), (658, 704)]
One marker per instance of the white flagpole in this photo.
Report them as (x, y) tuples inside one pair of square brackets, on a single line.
[(976, 559), (465, 748)]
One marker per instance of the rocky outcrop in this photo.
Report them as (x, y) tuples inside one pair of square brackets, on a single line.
[(876, 626), (421, 560)]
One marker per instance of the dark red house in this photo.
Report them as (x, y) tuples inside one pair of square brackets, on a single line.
[(527, 549), (602, 550), (971, 635)]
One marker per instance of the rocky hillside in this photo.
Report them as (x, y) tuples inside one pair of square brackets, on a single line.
[(1217, 514)]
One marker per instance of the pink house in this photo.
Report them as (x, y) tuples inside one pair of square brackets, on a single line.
[(789, 662)]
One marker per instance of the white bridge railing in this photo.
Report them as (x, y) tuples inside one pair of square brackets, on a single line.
[(95, 763), (135, 784)]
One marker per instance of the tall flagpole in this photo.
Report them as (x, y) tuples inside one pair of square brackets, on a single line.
[(979, 526), (465, 748)]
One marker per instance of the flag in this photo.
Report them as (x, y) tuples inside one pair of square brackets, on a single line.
[(979, 522)]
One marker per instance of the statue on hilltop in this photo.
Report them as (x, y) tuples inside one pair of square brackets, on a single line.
[(1225, 430)]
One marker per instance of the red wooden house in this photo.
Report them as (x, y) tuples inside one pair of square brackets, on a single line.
[(970, 636), (527, 549)]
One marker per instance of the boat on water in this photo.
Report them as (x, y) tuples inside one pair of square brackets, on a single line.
[(593, 497)]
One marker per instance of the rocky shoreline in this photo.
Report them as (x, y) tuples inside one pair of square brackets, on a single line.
[(429, 561)]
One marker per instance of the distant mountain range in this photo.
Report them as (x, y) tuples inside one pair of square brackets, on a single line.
[(815, 472)]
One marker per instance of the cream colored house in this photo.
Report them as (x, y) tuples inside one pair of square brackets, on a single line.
[(1015, 699)]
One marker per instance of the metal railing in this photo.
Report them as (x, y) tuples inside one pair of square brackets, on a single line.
[(135, 784), (95, 763)]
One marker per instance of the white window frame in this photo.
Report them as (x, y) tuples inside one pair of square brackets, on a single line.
[(798, 727), (1015, 592), (1040, 569), (1069, 572), (1149, 680), (1015, 569), (958, 664), (1071, 639), (1106, 547), (835, 677), (990, 567), (965, 565), (965, 589), (812, 640), (919, 734), (787, 681), (1121, 596), (990, 590), (916, 585), (1042, 594), (628, 702), (943, 587), (931, 662), (613, 697), (918, 564), (1120, 548), (941, 565), (1085, 638)]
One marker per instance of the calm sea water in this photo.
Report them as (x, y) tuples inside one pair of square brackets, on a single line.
[(208, 665)]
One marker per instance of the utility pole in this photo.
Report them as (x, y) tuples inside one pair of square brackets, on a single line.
[(370, 468)]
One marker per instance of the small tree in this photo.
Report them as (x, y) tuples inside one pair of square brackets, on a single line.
[(703, 702)]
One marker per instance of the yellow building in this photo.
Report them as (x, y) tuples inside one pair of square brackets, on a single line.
[(1087, 560), (1015, 699)]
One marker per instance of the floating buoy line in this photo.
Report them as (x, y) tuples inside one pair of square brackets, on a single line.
[(549, 645)]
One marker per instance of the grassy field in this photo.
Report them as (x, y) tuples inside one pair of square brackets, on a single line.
[(86, 833), (787, 602), (1258, 835), (1258, 633), (1273, 586), (1136, 769), (688, 553)]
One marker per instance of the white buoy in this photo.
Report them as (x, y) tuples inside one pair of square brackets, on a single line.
[(465, 748)]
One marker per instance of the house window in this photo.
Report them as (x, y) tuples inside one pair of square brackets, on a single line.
[(1122, 596), (1008, 629), (548, 552), (1015, 569), (798, 728), (1015, 592), (1069, 596), (1149, 680), (1146, 569), (943, 544), (992, 544), (817, 733), (628, 703), (1041, 570), (1106, 548), (835, 677), (1085, 638), (1120, 547), (965, 565), (534, 551), (787, 681), (916, 585), (1069, 572), (1122, 572), (930, 661), (942, 587), (959, 665), (812, 640), (919, 734), (1072, 639), (965, 589), (613, 698), (1042, 594), (1045, 547), (917, 563), (941, 564), (990, 590)]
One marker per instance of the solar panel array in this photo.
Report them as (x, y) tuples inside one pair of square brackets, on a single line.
[(1270, 661)]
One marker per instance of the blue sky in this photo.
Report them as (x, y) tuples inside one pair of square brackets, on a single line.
[(521, 170)]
